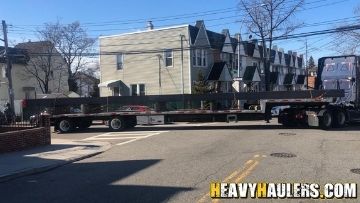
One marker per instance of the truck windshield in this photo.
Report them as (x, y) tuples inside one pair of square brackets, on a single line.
[(330, 84), (344, 84)]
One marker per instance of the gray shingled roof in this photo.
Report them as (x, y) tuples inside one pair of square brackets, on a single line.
[(216, 70), (216, 40), (18, 56)]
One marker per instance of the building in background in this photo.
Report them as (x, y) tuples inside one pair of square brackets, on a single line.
[(32, 56), (168, 61)]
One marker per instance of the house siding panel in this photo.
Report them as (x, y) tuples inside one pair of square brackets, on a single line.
[(143, 67)]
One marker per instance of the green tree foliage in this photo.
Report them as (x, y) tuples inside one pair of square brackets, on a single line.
[(311, 63), (201, 85)]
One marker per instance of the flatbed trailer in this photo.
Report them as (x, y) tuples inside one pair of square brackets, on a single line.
[(335, 102), (125, 120), (121, 120)]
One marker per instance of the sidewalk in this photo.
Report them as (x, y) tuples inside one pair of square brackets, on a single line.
[(40, 159)]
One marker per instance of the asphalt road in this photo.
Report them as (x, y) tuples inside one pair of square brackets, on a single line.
[(177, 163)]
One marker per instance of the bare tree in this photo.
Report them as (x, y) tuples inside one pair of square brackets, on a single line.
[(46, 65), (269, 19), (74, 45), (88, 80), (348, 42)]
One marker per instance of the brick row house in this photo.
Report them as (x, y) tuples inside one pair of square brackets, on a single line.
[(169, 60)]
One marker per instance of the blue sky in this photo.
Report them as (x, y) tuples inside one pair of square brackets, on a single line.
[(113, 17)]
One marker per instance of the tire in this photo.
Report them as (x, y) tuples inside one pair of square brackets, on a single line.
[(116, 124), (326, 120), (85, 124), (339, 119), (65, 126)]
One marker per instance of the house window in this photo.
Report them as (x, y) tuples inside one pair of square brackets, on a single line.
[(193, 57), (198, 57), (203, 56), (134, 90), (141, 89), (137, 89), (168, 53), (116, 91), (120, 61)]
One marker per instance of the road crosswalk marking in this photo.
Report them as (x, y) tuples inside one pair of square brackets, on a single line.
[(133, 136)]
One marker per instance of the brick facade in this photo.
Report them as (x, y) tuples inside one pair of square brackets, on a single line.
[(26, 138)]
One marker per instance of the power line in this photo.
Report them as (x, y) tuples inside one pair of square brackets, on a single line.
[(154, 51)]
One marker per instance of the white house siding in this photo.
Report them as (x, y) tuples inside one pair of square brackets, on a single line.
[(22, 79), (143, 67)]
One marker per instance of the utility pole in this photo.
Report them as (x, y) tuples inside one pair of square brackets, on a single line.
[(159, 57), (182, 70), (8, 68), (182, 64), (307, 65)]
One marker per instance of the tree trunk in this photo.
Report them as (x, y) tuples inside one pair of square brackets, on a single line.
[(72, 84)]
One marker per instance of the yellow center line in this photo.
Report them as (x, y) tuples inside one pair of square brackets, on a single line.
[(244, 171)]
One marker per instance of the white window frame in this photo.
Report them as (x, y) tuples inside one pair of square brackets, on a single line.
[(198, 58), (137, 89), (172, 57), (201, 59), (121, 67), (193, 57), (113, 91), (131, 90)]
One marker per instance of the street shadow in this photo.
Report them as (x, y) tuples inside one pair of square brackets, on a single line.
[(88, 182), (39, 149)]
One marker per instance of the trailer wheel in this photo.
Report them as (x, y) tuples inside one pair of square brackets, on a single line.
[(116, 123), (326, 120), (65, 126), (339, 118)]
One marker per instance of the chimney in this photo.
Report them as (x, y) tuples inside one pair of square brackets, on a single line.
[(225, 31), (238, 36), (199, 23), (149, 25), (275, 48)]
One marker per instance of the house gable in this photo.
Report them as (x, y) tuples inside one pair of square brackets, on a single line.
[(202, 39), (225, 74), (227, 48)]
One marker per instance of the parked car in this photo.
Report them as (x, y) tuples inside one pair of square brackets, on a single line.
[(275, 111), (135, 108)]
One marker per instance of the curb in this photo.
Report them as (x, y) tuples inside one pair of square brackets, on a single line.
[(37, 170)]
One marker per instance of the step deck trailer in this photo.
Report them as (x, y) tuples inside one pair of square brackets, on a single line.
[(334, 103), (126, 119)]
